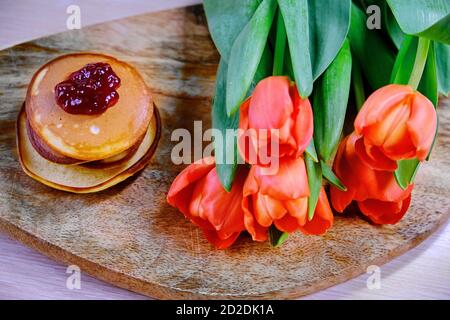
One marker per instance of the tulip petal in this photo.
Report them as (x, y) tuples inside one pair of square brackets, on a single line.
[(298, 209), (376, 108), (382, 212), (341, 199), (373, 157), (422, 124), (221, 208), (290, 182), (258, 232), (287, 224), (323, 217), (219, 243), (303, 120), (361, 180), (180, 192), (261, 211), (270, 104)]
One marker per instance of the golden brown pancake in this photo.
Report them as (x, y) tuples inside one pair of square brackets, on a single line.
[(79, 178), (88, 137), (53, 156)]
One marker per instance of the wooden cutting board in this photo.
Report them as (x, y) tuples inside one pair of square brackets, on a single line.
[(130, 237)]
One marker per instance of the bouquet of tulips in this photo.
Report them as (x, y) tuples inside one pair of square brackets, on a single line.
[(331, 102)]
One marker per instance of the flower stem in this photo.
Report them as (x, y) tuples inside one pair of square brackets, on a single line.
[(280, 45), (419, 62)]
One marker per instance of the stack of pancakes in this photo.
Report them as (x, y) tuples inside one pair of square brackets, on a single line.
[(86, 153)]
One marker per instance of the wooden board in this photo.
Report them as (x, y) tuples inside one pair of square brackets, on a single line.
[(130, 237)]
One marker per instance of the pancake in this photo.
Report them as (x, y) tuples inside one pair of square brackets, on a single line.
[(88, 137), (79, 178), (53, 156)]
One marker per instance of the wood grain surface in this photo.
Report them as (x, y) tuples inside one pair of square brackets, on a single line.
[(130, 237)]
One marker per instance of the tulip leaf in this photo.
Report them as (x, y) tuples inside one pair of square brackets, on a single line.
[(331, 177), (443, 67), (425, 18), (404, 62), (225, 151), (315, 32), (311, 151), (246, 54), (370, 50), (314, 172), (406, 172), (277, 237), (226, 19), (295, 16), (429, 87), (358, 85), (225, 147), (392, 26), (407, 169), (330, 103)]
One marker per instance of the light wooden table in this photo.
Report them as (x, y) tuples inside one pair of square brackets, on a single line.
[(422, 273)]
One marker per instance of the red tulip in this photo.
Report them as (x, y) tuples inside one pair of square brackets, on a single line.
[(378, 195), (397, 123), (274, 115), (199, 195)]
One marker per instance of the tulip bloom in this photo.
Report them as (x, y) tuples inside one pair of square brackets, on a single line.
[(199, 195), (377, 193), (322, 219), (274, 114), (282, 200), (397, 123)]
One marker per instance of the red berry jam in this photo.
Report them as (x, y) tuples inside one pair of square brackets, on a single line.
[(90, 90)]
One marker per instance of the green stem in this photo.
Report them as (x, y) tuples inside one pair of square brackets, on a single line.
[(419, 62), (358, 85), (280, 45)]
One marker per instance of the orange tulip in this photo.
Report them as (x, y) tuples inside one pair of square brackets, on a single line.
[(199, 195), (275, 114), (397, 123), (378, 195), (282, 200), (322, 219)]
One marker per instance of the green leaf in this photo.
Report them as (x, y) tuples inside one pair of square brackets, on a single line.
[(315, 32), (443, 67), (314, 172), (404, 62), (372, 53), (246, 54), (330, 103), (425, 18), (226, 19), (407, 169), (392, 26), (226, 168), (295, 16), (331, 177), (263, 71), (311, 151), (223, 148), (277, 237), (428, 86), (358, 85), (406, 172), (280, 45)]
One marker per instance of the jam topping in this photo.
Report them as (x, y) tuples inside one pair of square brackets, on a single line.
[(90, 90)]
